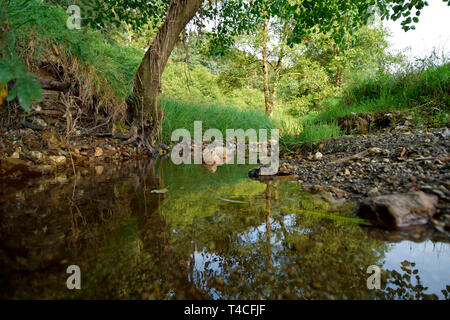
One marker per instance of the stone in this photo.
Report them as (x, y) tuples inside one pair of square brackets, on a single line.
[(40, 122), (362, 125), (98, 152), (446, 133), (36, 155), (374, 150), (42, 169), (318, 156), (99, 170), (57, 160), (397, 211), (15, 155), (10, 165)]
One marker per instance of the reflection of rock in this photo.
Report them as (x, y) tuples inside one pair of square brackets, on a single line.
[(399, 210), (211, 168), (282, 176), (416, 234)]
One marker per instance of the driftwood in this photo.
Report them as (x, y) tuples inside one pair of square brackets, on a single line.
[(54, 85), (349, 158)]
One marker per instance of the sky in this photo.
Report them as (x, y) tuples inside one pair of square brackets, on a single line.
[(432, 31)]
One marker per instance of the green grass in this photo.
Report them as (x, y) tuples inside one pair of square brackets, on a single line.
[(422, 91), (181, 115), (103, 68)]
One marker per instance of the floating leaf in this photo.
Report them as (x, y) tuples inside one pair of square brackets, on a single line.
[(228, 200), (160, 190)]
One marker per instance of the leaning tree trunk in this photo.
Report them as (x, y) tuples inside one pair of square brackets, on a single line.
[(147, 81)]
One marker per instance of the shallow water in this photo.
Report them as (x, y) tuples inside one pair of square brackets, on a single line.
[(219, 236)]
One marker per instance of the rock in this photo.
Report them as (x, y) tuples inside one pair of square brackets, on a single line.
[(374, 150), (318, 156), (36, 155), (10, 165), (52, 138), (57, 160), (42, 169), (98, 152), (39, 122), (99, 169), (399, 210), (373, 192), (15, 155), (362, 125), (446, 133), (213, 155)]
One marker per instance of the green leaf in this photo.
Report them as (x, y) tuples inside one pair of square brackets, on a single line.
[(12, 94), (28, 89), (6, 72)]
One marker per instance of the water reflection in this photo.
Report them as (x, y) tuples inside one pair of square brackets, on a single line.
[(217, 235)]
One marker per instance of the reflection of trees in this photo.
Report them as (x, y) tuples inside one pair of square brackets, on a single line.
[(271, 242), (407, 285), (153, 234), (266, 251)]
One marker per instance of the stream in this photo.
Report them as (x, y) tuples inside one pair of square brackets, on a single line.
[(160, 231)]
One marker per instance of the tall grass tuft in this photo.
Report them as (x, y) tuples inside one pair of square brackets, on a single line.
[(102, 69), (181, 115)]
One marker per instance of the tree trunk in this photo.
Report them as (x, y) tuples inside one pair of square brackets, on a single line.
[(268, 102), (147, 81)]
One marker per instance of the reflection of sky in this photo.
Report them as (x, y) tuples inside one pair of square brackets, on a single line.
[(432, 260)]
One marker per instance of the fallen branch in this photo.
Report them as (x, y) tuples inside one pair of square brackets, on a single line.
[(54, 85), (349, 158)]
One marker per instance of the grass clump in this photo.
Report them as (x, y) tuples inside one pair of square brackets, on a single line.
[(101, 69), (181, 115), (421, 90)]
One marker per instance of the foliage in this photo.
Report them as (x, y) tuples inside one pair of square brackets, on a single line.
[(421, 90), (103, 69), (183, 114), (25, 88)]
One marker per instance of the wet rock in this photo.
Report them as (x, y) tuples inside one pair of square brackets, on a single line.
[(98, 152), (399, 210), (99, 170), (57, 160), (10, 165), (36, 155), (15, 155), (42, 169)]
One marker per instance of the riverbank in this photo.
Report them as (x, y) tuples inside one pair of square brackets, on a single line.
[(399, 160)]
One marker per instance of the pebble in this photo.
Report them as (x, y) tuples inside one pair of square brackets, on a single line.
[(318, 156)]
